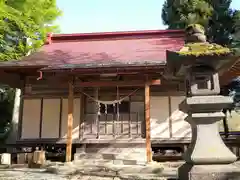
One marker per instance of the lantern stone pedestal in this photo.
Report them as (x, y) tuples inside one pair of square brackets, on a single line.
[(207, 156), (209, 172)]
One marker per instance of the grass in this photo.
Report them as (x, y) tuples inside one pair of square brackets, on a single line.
[(233, 122)]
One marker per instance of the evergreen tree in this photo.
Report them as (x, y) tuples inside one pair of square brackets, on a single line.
[(178, 14), (215, 15), (222, 24)]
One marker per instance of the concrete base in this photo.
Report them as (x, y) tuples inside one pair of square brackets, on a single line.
[(6, 159), (209, 172), (120, 154)]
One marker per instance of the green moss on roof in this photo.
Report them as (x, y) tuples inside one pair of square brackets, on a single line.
[(203, 49)]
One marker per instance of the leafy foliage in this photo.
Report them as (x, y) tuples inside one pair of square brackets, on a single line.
[(215, 15), (24, 25), (236, 37), (7, 95)]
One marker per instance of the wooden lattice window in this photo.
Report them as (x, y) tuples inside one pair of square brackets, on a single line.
[(123, 107)]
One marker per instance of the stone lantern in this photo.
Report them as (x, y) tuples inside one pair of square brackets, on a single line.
[(199, 64)]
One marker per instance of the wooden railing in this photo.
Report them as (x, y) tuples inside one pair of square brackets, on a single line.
[(110, 125)]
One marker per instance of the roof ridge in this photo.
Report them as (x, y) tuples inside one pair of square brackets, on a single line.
[(103, 35)]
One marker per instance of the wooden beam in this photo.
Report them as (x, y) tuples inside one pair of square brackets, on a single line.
[(147, 119), (94, 83), (119, 83), (69, 122), (170, 116), (227, 77), (60, 117)]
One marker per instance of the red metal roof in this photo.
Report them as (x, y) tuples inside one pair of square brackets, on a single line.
[(137, 47)]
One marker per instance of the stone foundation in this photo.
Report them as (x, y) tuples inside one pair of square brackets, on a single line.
[(209, 172), (127, 154)]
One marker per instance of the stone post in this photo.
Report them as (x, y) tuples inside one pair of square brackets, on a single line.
[(207, 156)]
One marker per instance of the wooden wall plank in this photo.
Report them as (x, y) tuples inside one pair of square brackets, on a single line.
[(50, 118), (180, 127), (76, 117), (41, 118), (60, 118), (31, 118)]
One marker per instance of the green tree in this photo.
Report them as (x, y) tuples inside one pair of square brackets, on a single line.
[(222, 24), (216, 16), (24, 25), (177, 14), (236, 35)]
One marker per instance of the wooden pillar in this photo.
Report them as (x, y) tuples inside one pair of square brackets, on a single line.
[(147, 119), (170, 116), (69, 122), (97, 128)]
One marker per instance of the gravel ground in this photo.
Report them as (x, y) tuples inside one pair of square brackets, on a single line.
[(32, 174), (77, 172), (86, 172), (28, 174)]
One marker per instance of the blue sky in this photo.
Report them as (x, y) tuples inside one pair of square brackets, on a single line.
[(112, 15)]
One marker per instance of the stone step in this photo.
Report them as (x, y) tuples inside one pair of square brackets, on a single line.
[(104, 161), (154, 171), (109, 158), (93, 161), (81, 156), (145, 177)]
